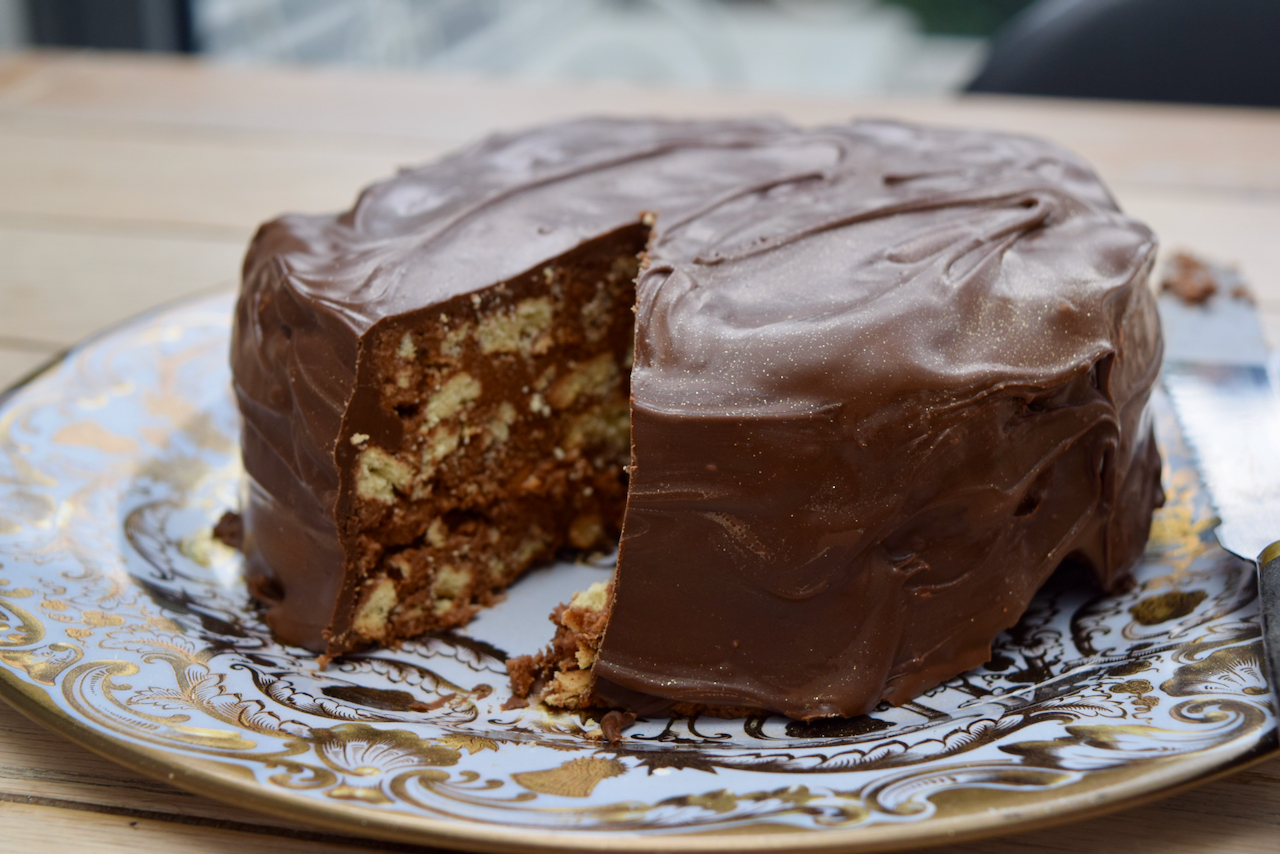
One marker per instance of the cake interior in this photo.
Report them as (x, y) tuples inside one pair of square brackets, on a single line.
[(560, 676), (512, 405)]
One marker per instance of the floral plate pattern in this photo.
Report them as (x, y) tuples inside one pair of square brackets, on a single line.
[(125, 626)]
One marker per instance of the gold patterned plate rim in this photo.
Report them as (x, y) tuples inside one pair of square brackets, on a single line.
[(123, 626)]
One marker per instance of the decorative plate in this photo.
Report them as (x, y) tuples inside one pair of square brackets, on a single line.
[(125, 626)]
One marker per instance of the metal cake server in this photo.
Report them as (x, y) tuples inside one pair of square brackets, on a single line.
[(1218, 373)]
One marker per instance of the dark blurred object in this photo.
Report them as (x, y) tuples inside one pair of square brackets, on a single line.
[(962, 17), (1189, 51), (163, 25)]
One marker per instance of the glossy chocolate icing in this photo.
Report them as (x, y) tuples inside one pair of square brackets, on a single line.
[(887, 379)]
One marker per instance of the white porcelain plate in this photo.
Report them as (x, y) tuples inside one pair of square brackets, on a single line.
[(126, 627)]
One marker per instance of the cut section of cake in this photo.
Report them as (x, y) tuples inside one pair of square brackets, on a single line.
[(434, 384), (493, 433)]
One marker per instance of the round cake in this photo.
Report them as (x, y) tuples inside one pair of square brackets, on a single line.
[(880, 381)]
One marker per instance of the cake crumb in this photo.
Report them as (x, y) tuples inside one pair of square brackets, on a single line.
[(523, 671), (230, 530), (515, 701), (1189, 279)]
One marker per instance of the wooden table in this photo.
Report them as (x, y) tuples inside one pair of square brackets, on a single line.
[(126, 182)]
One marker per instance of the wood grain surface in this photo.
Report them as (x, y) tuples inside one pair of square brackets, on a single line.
[(127, 182)]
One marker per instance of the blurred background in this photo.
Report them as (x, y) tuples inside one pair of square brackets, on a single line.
[(1197, 51), (816, 47)]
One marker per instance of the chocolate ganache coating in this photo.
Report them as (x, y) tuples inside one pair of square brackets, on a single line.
[(873, 410), (887, 378)]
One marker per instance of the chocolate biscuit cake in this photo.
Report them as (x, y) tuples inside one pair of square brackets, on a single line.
[(880, 381)]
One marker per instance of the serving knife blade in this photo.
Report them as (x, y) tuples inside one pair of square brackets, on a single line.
[(1219, 375)]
